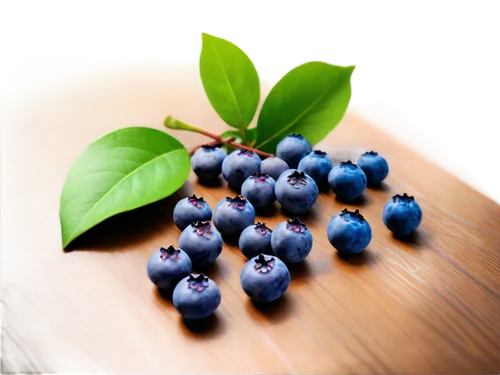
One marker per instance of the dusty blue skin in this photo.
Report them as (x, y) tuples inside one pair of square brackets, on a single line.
[(196, 297), (255, 240), (202, 242), (349, 232), (233, 215), (238, 166), (402, 214), (274, 167), (259, 190), (296, 191), (291, 241), (317, 164), (167, 266), (264, 278), (375, 167), (347, 180), (207, 163), (292, 149), (191, 209)]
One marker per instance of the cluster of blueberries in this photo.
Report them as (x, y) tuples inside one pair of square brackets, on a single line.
[(293, 178)]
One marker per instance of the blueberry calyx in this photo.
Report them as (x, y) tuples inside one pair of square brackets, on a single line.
[(202, 228), (262, 228), (348, 164), (318, 152), (238, 202), (354, 213), (296, 225), (405, 198), (263, 265), (198, 283), (372, 153), (296, 179), (245, 152), (169, 253), (208, 147), (260, 177), (195, 201), (296, 135)]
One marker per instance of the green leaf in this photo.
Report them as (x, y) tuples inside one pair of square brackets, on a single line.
[(311, 100), (237, 134), (230, 81), (119, 172)]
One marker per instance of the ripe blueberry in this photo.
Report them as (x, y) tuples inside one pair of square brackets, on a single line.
[(296, 191), (259, 190), (347, 180), (191, 209), (375, 167), (402, 214), (207, 163), (349, 232), (274, 167), (196, 297), (292, 148), (291, 241), (317, 164), (167, 266), (233, 215), (238, 166), (202, 242), (264, 278), (255, 239)]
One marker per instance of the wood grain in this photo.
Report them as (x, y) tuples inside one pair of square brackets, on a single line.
[(428, 304)]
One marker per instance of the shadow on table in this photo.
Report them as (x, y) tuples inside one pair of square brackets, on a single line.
[(415, 240), (275, 311), (365, 258), (208, 327)]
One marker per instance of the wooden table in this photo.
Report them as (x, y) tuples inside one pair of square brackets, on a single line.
[(426, 305)]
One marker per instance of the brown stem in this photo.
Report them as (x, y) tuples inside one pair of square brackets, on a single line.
[(229, 141), (258, 152)]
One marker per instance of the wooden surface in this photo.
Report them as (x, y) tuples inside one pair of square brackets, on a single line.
[(427, 305)]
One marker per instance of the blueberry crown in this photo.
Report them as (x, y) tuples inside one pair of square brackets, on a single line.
[(198, 283), (244, 152), (169, 253), (208, 147), (372, 153), (318, 152), (352, 214), (260, 176), (297, 179), (296, 135), (348, 164), (238, 202), (403, 198), (296, 225), (262, 228), (195, 201), (202, 228), (263, 265)]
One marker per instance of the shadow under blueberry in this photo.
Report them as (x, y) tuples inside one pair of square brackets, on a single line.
[(361, 201), (266, 212), (416, 240), (275, 311), (382, 186), (203, 328), (299, 271), (309, 218), (213, 271), (218, 182), (164, 295), (365, 258)]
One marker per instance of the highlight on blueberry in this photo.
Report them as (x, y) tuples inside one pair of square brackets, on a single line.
[(167, 266), (233, 215), (375, 167), (296, 191), (264, 278), (255, 239), (238, 166), (207, 163), (291, 241), (191, 209), (349, 232), (402, 214), (259, 190), (202, 242), (292, 148), (196, 297), (317, 164), (347, 180), (274, 167)]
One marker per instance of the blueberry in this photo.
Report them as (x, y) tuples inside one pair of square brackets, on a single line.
[(238, 166), (233, 215), (259, 190), (167, 266), (191, 209), (349, 232), (402, 214), (375, 167), (291, 241), (296, 191), (274, 167), (196, 297), (207, 162), (292, 148), (255, 240), (264, 278), (317, 164), (202, 242), (347, 180)]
